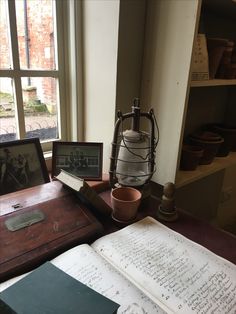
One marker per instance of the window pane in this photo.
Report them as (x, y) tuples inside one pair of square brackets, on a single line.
[(5, 62), (40, 107), (35, 28), (7, 111)]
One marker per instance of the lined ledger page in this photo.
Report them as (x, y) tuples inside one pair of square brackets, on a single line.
[(85, 265), (176, 273)]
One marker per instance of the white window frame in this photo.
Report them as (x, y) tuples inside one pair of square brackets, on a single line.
[(16, 73)]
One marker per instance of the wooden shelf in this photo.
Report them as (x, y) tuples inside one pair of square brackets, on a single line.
[(219, 163), (216, 82)]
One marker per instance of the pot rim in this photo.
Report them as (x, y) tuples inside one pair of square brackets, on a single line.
[(224, 128), (139, 194), (220, 141), (192, 148), (207, 136)]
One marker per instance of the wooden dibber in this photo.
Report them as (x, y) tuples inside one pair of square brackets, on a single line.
[(167, 210)]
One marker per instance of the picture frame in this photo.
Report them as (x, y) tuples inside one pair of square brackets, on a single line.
[(82, 159), (22, 165)]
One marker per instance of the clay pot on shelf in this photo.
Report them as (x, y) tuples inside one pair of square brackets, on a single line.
[(190, 157), (216, 48), (210, 142), (207, 135), (230, 72), (225, 70), (229, 135)]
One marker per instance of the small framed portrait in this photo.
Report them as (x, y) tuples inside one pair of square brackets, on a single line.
[(22, 165), (82, 159)]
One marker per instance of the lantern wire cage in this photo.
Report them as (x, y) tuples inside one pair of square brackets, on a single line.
[(133, 151)]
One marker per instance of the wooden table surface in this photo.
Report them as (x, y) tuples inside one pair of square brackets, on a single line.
[(70, 223)]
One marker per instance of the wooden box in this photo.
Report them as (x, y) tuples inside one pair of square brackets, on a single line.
[(66, 223)]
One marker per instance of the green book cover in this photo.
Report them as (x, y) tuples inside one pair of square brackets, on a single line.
[(49, 290)]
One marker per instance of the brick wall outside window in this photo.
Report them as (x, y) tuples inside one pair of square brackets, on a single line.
[(40, 46)]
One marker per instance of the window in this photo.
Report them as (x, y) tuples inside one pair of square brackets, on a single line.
[(30, 73)]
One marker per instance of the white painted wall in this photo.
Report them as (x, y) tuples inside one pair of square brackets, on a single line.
[(170, 33), (100, 36), (130, 52), (113, 36)]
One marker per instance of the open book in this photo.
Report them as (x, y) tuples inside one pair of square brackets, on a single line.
[(148, 268)]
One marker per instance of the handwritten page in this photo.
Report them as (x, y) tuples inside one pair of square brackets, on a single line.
[(176, 273), (4, 285), (84, 264)]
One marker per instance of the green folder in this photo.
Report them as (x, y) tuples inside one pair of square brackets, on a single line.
[(49, 290)]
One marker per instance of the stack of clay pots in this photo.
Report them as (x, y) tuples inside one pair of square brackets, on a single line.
[(222, 58), (190, 157), (216, 48), (202, 148), (229, 135)]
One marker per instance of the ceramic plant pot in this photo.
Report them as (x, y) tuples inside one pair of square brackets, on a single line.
[(229, 135), (216, 48), (125, 202), (210, 142), (207, 135), (190, 157), (225, 71)]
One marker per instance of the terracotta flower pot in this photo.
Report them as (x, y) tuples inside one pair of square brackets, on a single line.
[(208, 141), (225, 71), (190, 157), (207, 135), (216, 48), (229, 135), (125, 202)]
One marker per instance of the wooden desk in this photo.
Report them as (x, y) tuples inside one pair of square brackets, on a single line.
[(23, 250)]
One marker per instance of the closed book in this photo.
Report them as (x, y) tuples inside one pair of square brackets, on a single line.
[(84, 192), (49, 290)]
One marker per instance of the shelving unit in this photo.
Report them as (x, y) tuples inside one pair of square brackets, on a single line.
[(213, 11), (186, 177), (172, 28)]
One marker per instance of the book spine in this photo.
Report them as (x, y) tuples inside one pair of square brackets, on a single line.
[(95, 200)]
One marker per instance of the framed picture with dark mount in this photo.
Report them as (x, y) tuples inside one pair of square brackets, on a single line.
[(22, 165), (82, 159)]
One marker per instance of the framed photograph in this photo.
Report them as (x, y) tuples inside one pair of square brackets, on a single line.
[(82, 159), (22, 165)]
